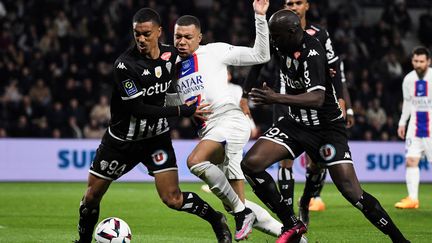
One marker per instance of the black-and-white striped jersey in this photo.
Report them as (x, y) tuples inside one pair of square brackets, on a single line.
[(306, 71), (137, 77), (332, 58)]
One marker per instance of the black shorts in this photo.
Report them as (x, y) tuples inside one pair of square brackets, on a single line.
[(326, 146), (279, 111), (115, 158)]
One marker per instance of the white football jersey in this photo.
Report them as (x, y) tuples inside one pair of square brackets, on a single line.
[(417, 104), (204, 74)]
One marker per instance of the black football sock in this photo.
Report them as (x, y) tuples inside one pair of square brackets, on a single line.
[(286, 185), (193, 204), (376, 214), (87, 221), (313, 186), (265, 188)]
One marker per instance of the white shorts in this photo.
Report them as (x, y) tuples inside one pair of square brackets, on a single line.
[(232, 128), (417, 147)]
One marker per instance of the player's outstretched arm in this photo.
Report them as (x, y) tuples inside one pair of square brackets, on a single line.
[(246, 56)]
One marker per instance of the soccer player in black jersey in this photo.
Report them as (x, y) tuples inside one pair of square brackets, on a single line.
[(313, 124), (315, 176), (139, 133)]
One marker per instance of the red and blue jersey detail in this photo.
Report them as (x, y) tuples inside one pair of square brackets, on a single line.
[(422, 124), (188, 66), (422, 117)]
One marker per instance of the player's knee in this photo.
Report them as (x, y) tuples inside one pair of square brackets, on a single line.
[(93, 196), (172, 199), (192, 160), (254, 163), (412, 162), (348, 191), (247, 166)]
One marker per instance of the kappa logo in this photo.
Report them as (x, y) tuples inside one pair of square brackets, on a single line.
[(313, 53), (146, 72), (347, 155), (121, 66)]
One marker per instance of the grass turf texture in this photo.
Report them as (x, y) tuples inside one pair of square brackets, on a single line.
[(48, 212)]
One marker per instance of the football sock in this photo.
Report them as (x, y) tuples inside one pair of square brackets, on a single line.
[(87, 221), (286, 185), (218, 184), (412, 177), (193, 204), (264, 221), (265, 188), (376, 214), (313, 186)]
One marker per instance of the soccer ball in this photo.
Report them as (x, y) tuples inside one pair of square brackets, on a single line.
[(113, 230)]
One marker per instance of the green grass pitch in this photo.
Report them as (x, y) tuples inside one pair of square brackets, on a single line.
[(48, 212)]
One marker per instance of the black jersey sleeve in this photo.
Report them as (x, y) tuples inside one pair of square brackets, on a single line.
[(337, 78), (333, 62)]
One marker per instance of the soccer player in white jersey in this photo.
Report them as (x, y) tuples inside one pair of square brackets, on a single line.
[(417, 107), (202, 75)]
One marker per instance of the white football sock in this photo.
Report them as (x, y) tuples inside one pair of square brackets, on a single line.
[(412, 178), (218, 184), (264, 221)]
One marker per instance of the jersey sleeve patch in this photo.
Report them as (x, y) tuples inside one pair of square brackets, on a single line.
[(129, 87)]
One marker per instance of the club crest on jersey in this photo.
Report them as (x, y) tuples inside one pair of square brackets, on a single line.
[(158, 72), (166, 56), (327, 152), (129, 87), (288, 62), (159, 157), (420, 88), (168, 66), (104, 164)]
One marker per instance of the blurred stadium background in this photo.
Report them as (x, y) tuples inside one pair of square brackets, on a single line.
[(56, 61)]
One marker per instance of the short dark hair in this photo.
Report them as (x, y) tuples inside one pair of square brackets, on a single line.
[(186, 20), (146, 15), (421, 50)]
